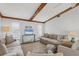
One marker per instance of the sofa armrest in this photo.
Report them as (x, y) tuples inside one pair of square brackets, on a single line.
[(13, 44), (49, 41), (67, 51)]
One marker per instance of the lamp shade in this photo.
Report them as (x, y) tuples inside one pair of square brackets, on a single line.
[(5, 28), (72, 33)]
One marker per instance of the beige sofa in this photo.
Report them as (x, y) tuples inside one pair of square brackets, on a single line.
[(13, 48), (49, 41), (52, 39), (73, 51)]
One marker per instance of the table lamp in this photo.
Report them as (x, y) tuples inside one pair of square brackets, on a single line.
[(72, 36), (72, 33), (5, 28)]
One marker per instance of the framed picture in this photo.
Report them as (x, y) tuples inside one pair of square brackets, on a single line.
[(28, 30)]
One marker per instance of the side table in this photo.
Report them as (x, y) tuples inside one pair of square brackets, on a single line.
[(67, 44)]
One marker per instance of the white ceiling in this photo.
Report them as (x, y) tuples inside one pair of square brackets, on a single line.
[(20, 10), (26, 10), (51, 10)]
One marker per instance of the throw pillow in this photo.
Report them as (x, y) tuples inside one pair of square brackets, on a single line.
[(9, 39), (61, 37), (3, 49), (53, 36), (46, 35)]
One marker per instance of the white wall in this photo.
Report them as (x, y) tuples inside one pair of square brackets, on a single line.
[(67, 22), (37, 27)]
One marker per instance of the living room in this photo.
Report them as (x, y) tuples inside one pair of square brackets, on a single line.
[(42, 29)]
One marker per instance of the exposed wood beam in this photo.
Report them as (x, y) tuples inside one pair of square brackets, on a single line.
[(66, 10), (20, 19), (38, 10), (2, 16)]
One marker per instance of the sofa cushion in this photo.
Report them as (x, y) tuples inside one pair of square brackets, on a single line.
[(64, 40), (9, 39), (3, 49), (54, 41), (53, 36), (51, 41), (2, 40), (46, 35), (61, 37)]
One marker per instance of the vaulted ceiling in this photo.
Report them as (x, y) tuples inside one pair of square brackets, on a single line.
[(34, 12)]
